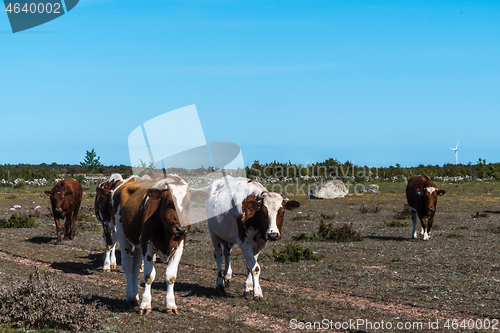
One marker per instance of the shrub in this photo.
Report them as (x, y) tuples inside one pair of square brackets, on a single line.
[(295, 253), (403, 214), (396, 224), (301, 217), (454, 236), (327, 217), (494, 229), (436, 227), (464, 227), (40, 302), (18, 221), (339, 234), (20, 184), (369, 209), (304, 237)]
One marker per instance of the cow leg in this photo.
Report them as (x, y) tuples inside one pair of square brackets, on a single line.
[(171, 275), (128, 267), (113, 250), (67, 225), (425, 229), (109, 253), (414, 220), (73, 223), (149, 277), (58, 230), (253, 269), (228, 272), (217, 244), (248, 287)]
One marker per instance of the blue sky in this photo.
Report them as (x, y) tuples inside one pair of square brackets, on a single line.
[(373, 82)]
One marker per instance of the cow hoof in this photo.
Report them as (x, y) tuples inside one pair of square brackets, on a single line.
[(144, 311), (221, 291), (113, 266), (106, 270), (71, 237), (173, 311), (258, 298), (132, 303)]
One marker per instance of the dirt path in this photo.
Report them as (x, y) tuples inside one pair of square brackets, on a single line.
[(205, 306)]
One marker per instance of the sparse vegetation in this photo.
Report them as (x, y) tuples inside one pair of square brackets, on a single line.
[(301, 217), (494, 229), (304, 237), (343, 233), (403, 214), (452, 235), (327, 216), (40, 302), (396, 223), (368, 209), (18, 221), (296, 253)]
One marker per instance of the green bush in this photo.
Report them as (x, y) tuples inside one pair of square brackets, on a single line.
[(454, 236), (296, 253), (18, 221), (20, 184), (396, 224), (304, 237), (339, 234)]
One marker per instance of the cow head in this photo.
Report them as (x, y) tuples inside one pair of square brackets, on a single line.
[(430, 195), (102, 204), (171, 198), (274, 207), (58, 197)]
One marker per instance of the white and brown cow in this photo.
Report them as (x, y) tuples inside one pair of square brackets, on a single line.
[(421, 194), (152, 217), (104, 213), (242, 211)]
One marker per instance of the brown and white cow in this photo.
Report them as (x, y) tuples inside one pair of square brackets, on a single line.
[(65, 198), (421, 194), (104, 213), (152, 217), (242, 211)]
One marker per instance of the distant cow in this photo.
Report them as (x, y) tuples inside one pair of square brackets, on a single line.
[(421, 194), (152, 217), (242, 211), (65, 199), (104, 213)]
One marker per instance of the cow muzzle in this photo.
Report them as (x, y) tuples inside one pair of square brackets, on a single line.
[(58, 210), (273, 236), (179, 231), (430, 210)]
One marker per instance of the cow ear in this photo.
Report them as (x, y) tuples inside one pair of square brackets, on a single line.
[(292, 204), (199, 196), (419, 192), (252, 205), (49, 193), (152, 203), (441, 192)]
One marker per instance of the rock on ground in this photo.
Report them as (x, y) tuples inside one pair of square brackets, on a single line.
[(331, 189)]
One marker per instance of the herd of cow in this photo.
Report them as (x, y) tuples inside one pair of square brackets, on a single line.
[(149, 216)]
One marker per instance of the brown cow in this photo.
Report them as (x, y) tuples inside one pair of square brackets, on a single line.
[(104, 213), (152, 217), (421, 194), (65, 199)]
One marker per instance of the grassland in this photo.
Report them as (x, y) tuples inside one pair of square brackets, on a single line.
[(386, 276)]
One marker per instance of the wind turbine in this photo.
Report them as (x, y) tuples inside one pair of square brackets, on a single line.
[(456, 152)]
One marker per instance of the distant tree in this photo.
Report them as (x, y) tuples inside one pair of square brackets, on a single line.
[(91, 162)]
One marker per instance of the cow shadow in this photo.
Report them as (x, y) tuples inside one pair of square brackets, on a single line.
[(94, 263), (111, 304), (388, 238), (41, 240), (190, 288), (492, 211)]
